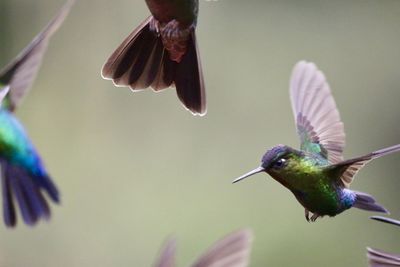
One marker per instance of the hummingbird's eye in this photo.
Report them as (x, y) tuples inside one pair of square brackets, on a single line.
[(279, 163)]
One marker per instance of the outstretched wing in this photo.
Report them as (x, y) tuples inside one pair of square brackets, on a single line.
[(317, 118), (167, 254), (231, 251), (347, 170), (378, 258), (21, 72)]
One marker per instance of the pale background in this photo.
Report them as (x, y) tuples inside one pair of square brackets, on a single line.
[(135, 168)]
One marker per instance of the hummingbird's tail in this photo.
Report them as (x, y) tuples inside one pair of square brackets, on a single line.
[(26, 189), (367, 202), (143, 61)]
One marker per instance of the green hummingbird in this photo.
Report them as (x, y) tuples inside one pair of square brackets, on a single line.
[(379, 258), (316, 174), (24, 177), (162, 52), (232, 250)]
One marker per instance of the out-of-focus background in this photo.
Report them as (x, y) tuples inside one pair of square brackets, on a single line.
[(134, 168)]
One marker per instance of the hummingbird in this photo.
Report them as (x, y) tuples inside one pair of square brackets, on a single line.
[(379, 258), (316, 174), (231, 251), (24, 177), (162, 52)]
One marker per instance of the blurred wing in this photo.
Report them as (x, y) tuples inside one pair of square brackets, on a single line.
[(21, 72), (317, 118), (167, 254), (378, 258), (386, 220), (231, 251)]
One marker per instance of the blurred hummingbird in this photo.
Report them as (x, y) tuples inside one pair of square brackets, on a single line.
[(23, 175), (316, 174), (379, 258), (162, 52), (231, 251)]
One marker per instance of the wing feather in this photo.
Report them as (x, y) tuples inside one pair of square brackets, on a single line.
[(167, 254), (317, 119), (21, 72), (231, 251)]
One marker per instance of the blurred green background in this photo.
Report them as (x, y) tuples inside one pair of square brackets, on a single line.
[(135, 168)]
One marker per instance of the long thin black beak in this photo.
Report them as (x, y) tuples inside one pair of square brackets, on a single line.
[(250, 173), (386, 220)]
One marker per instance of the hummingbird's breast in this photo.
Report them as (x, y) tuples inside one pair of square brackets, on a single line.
[(15, 145)]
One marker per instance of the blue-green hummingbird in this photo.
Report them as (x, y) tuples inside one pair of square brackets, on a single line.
[(379, 258), (24, 177), (231, 251), (316, 174)]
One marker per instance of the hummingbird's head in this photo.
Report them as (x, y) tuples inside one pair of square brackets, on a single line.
[(275, 162)]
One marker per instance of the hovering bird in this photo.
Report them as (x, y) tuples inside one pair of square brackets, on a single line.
[(317, 174), (162, 52), (23, 175), (231, 251), (379, 258)]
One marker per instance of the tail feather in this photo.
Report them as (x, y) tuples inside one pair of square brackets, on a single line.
[(142, 61), (367, 202), (27, 192), (189, 79), (10, 218)]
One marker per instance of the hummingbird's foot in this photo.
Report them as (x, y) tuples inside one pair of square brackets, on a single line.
[(315, 217), (307, 215), (174, 37), (173, 30)]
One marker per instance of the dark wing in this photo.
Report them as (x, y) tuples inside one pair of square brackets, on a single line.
[(378, 258), (317, 118), (21, 72), (167, 254), (231, 251), (349, 168)]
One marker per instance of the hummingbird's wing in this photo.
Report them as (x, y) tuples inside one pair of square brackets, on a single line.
[(20, 73), (378, 258), (231, 251), (317, 118), (349, 168), (167, 254)]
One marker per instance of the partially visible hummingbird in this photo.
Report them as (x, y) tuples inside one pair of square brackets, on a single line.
[(379, 258), (162, 52), (231, 251), (23, 175), (316, 174)]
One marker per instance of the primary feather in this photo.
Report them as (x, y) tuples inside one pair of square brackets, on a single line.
[(317, 119)]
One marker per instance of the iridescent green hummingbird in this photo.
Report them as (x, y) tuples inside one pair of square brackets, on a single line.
[(23, 175), (379, 258), (162, 52), (231, 251), (316, 174)]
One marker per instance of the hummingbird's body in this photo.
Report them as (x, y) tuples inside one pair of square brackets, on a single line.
[(162, 52), (184, 11), (24, 178), (317, 174), (15, 146)]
